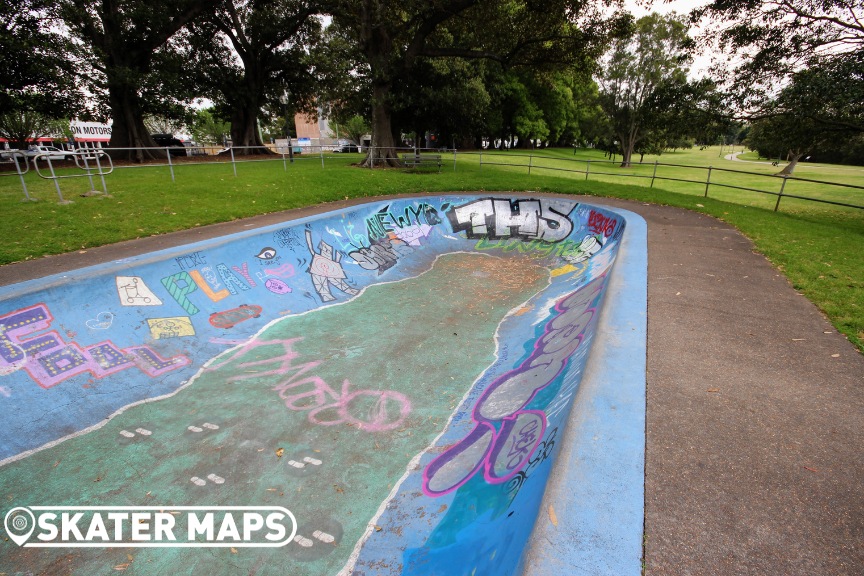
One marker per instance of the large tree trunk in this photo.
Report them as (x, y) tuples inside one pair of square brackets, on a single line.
[(245, 137), (628, 144), (382, 153), (793, 157), (129, 137)]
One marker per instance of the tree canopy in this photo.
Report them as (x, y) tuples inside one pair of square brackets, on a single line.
[(458, 72), (393, 36), (773, 39), (251, 54), (38, 68), (122, 41), (636, 69)]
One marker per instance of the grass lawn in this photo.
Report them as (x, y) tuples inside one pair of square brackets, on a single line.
[(819, 247)]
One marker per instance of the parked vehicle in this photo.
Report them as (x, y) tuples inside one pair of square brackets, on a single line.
[(7, 154), (348, 148), (193, 149), (175, 145), (51, 152)]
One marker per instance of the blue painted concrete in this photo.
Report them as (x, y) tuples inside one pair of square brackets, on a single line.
[(596, 491), (81, 349)]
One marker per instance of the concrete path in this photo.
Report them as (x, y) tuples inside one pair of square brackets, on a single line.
[(755, 413), (755, 404)]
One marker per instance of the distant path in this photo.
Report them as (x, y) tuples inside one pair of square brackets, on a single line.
[(734, 158)]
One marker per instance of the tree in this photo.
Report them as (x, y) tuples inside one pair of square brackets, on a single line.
[(786, 137), (802, 119), (251, 53), (21, 127), (800, 59), (689, 109), (163, 124), (125, 39), (392, 36), (37, 67), (774, 38), (447, 98), (207, 128), (354, 128), (635, 70), (830, 92)]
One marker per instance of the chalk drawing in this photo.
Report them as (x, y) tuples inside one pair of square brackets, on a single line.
[(170, 327), (134, 292), (325, 270), (102, 321)]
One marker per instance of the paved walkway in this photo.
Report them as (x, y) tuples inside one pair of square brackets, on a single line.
[(755, 404)]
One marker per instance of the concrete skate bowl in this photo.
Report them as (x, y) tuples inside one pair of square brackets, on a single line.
[(379, 390)]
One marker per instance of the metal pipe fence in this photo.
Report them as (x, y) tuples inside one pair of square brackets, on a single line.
[(91, 162), (707, 181)]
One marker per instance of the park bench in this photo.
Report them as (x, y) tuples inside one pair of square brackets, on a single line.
[(419, 160)]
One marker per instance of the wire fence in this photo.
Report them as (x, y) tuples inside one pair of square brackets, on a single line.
[(90, 162)]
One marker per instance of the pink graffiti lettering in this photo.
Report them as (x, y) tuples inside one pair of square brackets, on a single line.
[(284, 271), (244, 271), (368, 410)]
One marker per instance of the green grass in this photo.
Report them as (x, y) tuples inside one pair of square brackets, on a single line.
[(820, 248)]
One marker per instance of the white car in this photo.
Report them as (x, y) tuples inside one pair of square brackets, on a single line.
[(7, 154), (51, 152)]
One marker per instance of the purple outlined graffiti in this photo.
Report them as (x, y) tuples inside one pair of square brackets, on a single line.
[(543, 452), (394, 235), (544, 219), (304, 392), (505, 434), (325, 270), (49, 360)]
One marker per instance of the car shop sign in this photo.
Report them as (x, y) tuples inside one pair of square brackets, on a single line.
[(90, 131)]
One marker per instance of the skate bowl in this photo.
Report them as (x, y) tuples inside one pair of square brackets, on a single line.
[(424, 385)]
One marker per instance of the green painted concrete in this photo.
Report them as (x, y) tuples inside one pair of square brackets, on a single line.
[(425, 339)]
